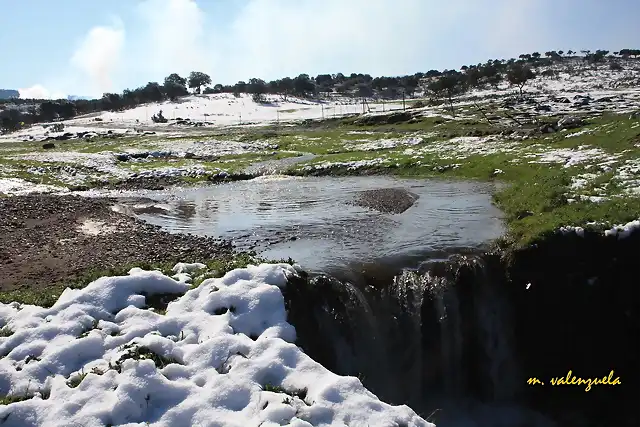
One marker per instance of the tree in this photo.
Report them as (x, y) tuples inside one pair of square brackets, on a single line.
[(303, 85), (449, 84), (152, 92), (286, 87), (175, 86), (175, 78), (240, 87), (198, 79), (364, 90), (519, 74), (257, 88)]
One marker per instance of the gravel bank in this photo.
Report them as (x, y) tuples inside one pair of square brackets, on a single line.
[(387, 200), (50, 239)]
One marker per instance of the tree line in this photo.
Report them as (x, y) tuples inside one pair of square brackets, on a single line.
[(446, 84)]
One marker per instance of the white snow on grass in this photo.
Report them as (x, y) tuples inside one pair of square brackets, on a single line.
[(625, 230), (572, 157), (17, 187), (462, 147), (222, 355), (382, 144), (225, 109), (350, 165), (40, 132), (92, 227)]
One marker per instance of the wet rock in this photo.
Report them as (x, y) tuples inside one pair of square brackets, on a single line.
[(64, 137), (546, 129), (524, 214), (571, 122)]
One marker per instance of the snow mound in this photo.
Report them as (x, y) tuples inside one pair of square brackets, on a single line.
[(624, 231), (222, 355)]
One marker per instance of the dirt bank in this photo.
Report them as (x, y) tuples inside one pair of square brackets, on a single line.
[(53, 239)]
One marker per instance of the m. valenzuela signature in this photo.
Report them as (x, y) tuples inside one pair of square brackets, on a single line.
[(571, 379)]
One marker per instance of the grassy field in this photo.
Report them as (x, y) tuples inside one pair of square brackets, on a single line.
[(580, 176), (590, 174)]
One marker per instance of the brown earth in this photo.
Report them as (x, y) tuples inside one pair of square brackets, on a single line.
[(42, 241)]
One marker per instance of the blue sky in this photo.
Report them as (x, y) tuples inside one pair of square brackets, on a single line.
[(87, 47)]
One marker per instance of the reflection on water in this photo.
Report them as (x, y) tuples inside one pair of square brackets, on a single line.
[(313, 220)]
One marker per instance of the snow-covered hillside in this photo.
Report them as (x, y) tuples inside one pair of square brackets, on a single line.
[(226, 110), (221, 355)]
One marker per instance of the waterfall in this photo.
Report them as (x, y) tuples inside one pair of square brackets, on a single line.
[(441, 332), (463, 335)]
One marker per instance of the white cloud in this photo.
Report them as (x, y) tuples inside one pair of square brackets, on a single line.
[(40, 92), (276, 38), (174, 37), (98, 55)]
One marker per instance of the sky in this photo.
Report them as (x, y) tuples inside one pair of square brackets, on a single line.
[(51, 49)]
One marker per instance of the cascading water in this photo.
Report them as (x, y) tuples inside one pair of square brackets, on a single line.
[(422, 338)]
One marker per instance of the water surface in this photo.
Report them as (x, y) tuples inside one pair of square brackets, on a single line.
[(314, 221)]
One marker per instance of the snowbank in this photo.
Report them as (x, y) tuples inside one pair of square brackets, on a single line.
[(222, 355)]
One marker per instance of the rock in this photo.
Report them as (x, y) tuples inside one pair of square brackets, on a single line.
[(546, 128), (635, 115), (64, 137), (98, 119), (386, 200), (48, 145), (524, 214), (571, 122), (189, 155), (543, 108), (122, 157)]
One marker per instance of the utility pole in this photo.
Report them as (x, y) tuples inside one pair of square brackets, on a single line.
[(404, 108), (322, 105)]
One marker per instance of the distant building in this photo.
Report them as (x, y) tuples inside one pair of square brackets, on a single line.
[(9, 93)]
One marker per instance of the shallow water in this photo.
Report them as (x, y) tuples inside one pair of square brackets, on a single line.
[(313, 220)]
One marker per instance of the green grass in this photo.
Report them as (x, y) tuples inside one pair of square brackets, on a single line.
[(534, 199), (46, 296)]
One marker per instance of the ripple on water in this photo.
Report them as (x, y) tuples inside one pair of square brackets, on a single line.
[(315, 221)]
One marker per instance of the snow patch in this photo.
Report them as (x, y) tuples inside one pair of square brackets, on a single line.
[(223, 353), (96, 228), (624, 231)]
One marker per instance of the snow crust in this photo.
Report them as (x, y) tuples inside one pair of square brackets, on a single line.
[(222, 355)]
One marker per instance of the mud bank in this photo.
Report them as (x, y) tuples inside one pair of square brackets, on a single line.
[(479, 327), (50, 239)]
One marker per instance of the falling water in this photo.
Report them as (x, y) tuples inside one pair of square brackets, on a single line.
[(443, 333)]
